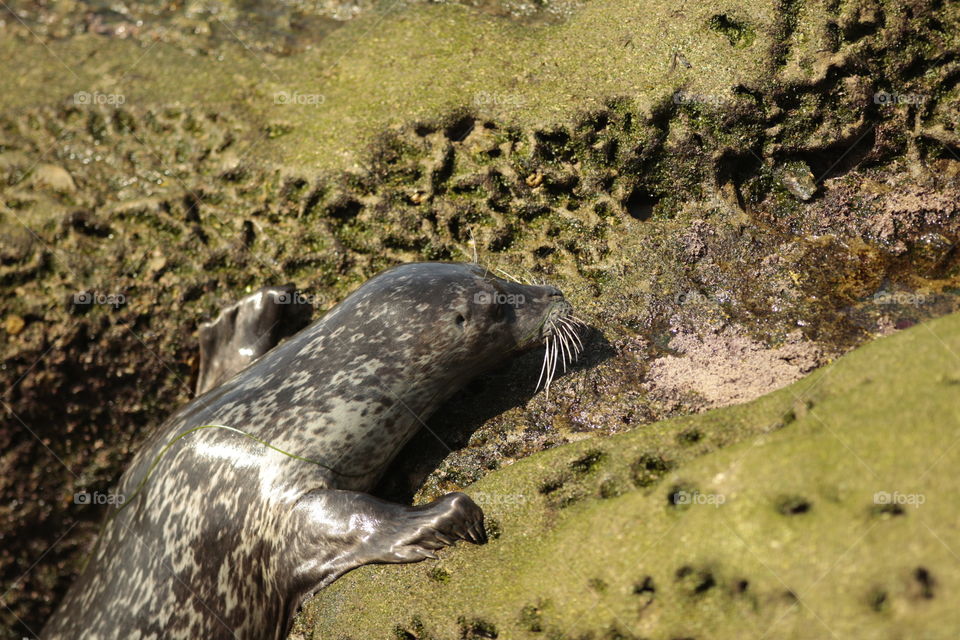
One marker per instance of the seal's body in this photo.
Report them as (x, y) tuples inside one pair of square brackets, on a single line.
[(226, 534)]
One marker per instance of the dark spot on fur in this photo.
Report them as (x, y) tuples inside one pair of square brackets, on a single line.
[(402, 634), (344, 209), (706, 584), (416, 631), (736, 32), (543, 252), (679, 495)]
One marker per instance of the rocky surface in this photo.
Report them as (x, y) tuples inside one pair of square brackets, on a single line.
[(733, 194), (821, 510)]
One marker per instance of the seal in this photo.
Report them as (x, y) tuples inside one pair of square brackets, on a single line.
[(255, 495), (246, 330)]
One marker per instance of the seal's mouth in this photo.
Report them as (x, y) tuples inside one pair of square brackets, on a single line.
[(560, 334)]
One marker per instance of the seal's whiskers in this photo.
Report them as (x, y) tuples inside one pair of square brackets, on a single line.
[(553, 365), (543, 367), (564, 348), (546, 365), (562, 344), (571, 330)]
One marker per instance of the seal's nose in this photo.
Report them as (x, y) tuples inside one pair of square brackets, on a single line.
[(553, 292)]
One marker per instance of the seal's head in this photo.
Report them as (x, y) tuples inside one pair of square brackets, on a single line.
[(461, 319)]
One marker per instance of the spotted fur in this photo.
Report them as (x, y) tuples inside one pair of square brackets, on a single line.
[(228, 536)]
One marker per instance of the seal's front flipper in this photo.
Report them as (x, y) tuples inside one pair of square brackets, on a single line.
[(246, 330), (336, 531), (415, 533)]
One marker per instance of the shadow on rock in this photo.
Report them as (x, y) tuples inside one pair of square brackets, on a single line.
[(460, 426)]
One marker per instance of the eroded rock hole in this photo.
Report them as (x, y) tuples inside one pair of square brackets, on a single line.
[(925, 579), (640, 204), (793, 505), (460, 129), (649, 468)]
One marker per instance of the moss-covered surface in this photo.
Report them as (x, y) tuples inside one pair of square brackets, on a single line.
[(772, 77), (827, 509), (718, 187)]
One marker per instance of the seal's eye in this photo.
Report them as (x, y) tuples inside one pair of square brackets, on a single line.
[(460, 320), (496, 311)]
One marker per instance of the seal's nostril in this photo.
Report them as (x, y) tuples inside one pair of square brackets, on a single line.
[(553, 292)]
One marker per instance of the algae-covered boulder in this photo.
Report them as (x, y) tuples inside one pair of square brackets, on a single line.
[(826, 509)]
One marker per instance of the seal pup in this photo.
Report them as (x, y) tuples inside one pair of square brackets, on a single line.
[(254, 496)]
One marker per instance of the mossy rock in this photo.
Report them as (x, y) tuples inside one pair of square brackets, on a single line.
[(831, 512)]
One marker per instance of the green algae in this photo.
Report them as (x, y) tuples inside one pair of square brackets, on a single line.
[(837, 523), (355, 83)]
